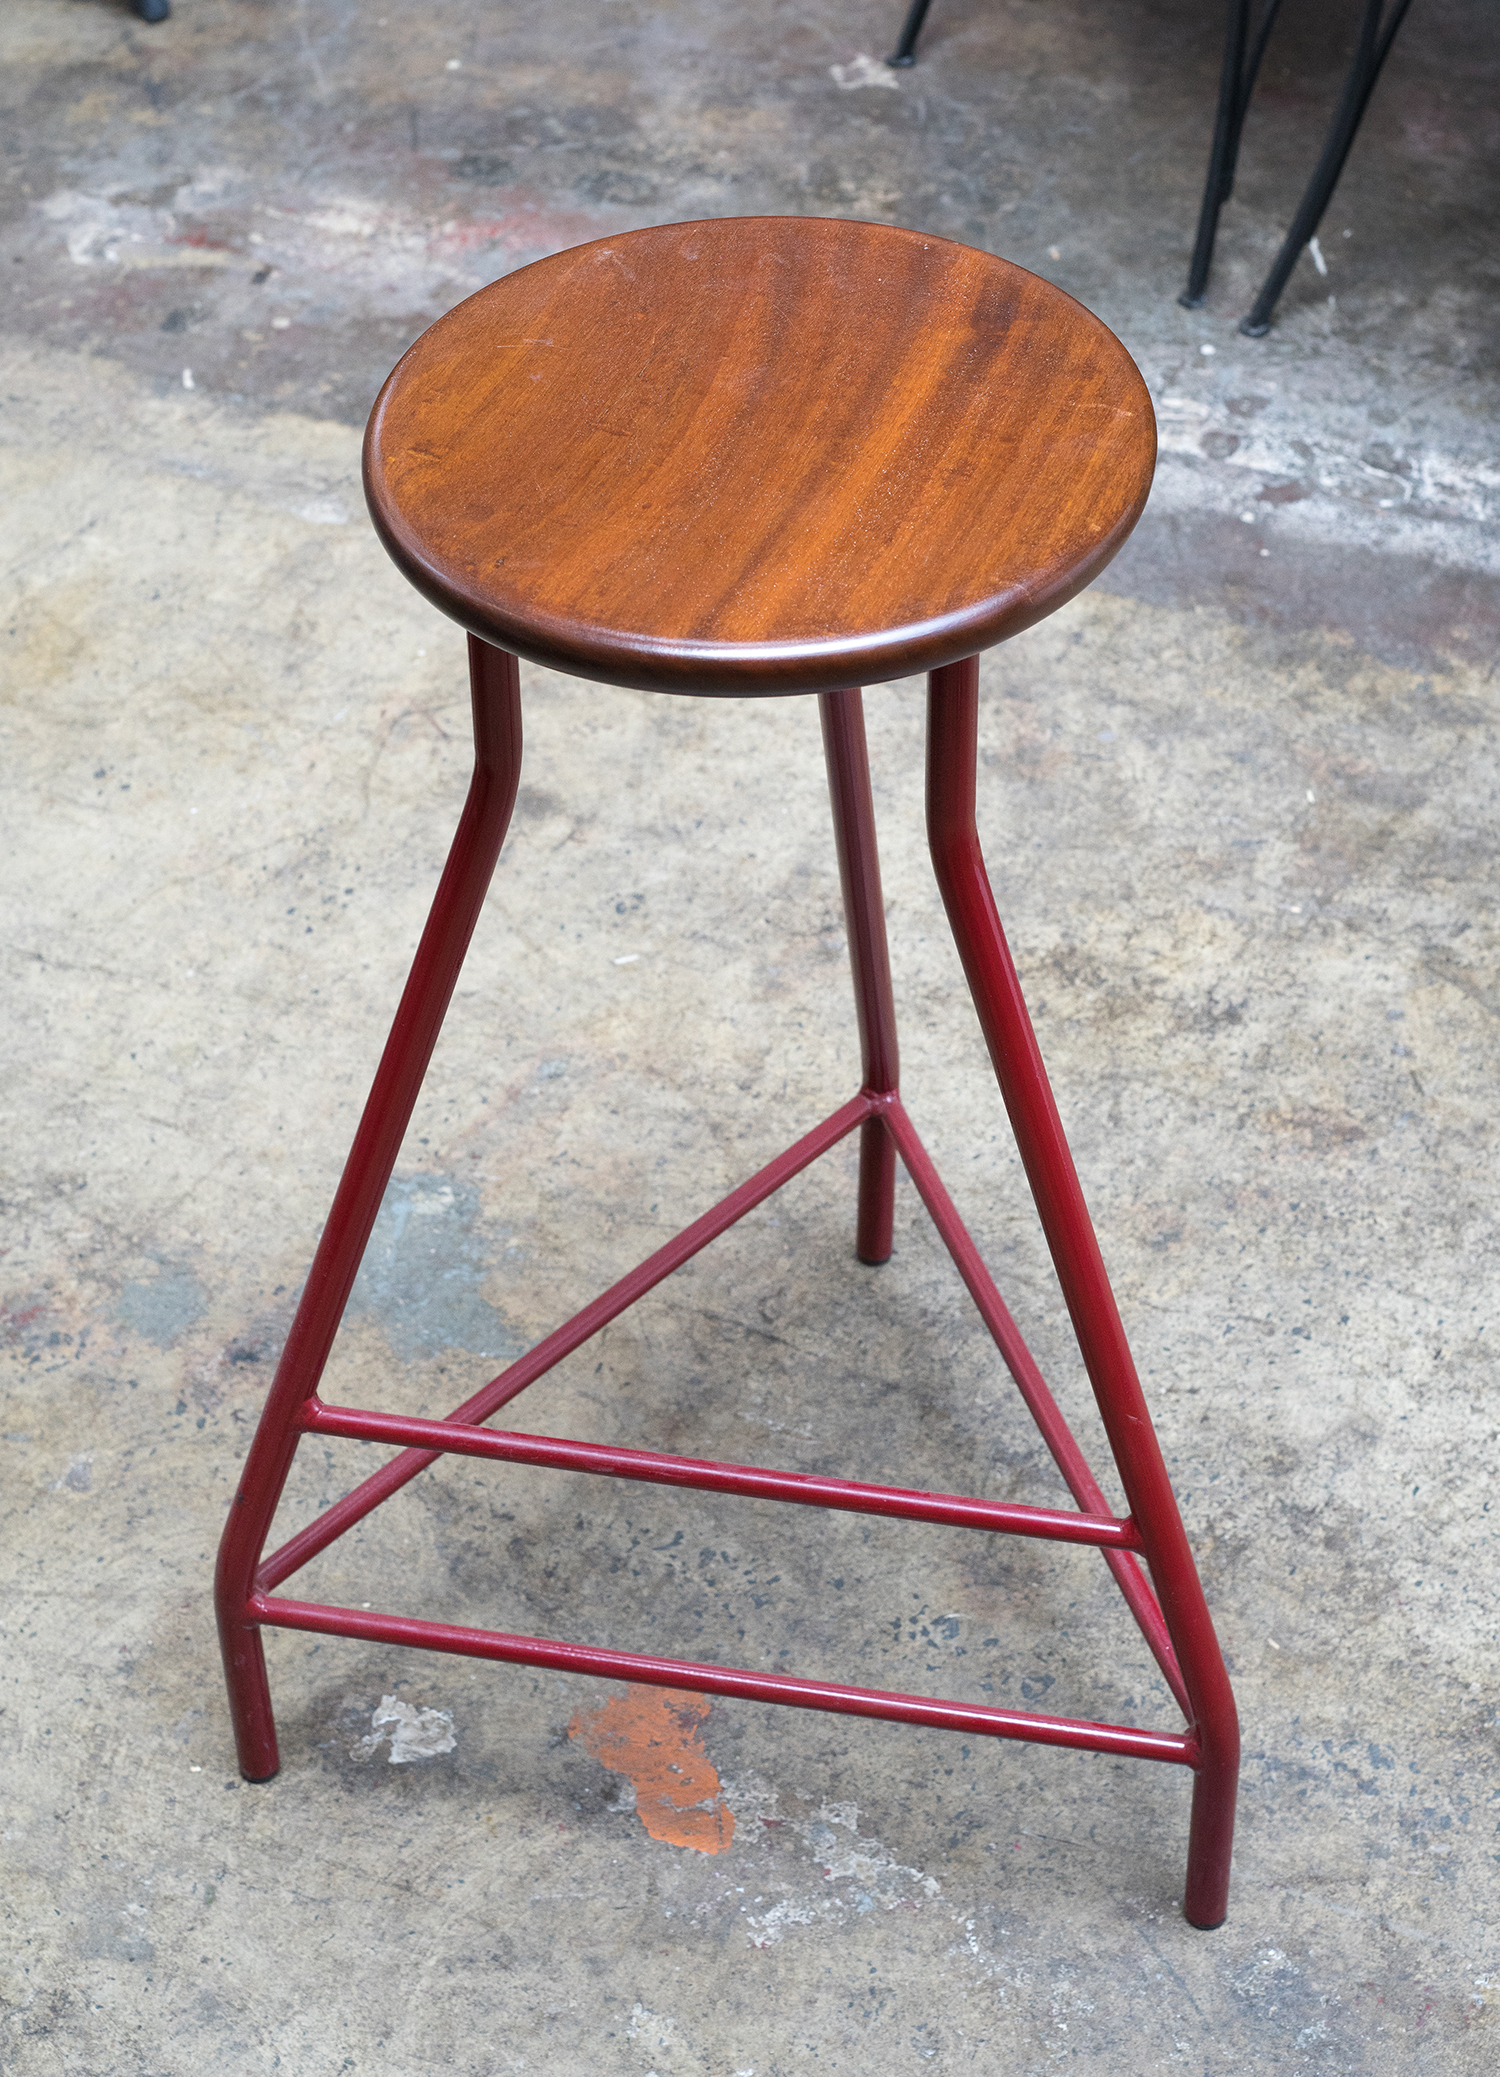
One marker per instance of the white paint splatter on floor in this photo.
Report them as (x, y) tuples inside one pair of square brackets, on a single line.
[(857, 1875), (863, 71), (415, 1734)]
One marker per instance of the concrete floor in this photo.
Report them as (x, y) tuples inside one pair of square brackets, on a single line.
[(1239, 803)]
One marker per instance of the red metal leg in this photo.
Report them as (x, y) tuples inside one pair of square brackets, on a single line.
[(953, 702), (844, 748), (495, 690)]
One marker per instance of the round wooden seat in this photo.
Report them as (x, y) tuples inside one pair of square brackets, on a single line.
[(759, 455)]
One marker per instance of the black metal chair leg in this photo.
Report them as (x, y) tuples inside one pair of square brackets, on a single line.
[(905, 52), (1242, 56), (1370, 55)]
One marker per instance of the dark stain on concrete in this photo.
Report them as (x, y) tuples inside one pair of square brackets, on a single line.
[(423, 1271), (162, 1308)]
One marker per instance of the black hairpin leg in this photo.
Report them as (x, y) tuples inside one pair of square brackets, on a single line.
[(905, 52), (1242, 56), (1373, 49)]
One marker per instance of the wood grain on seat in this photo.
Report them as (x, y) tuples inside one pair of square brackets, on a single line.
[(759, 455)]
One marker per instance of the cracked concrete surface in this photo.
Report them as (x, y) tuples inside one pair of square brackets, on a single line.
[(1239, 804)]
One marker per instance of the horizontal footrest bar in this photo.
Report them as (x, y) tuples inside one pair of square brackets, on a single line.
[(1053, 1524), (1177, 1747)]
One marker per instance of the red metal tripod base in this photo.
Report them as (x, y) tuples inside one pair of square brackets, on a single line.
[(1173, 1618)]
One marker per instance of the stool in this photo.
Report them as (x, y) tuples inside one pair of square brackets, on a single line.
[(741, 459)]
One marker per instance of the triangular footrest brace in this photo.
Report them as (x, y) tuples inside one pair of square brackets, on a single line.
[(461, 1435)]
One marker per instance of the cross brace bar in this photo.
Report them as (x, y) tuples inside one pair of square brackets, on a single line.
[(1122, 1740), (851, 1496)]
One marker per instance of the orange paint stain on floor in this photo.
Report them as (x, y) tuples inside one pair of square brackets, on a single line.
[(653, 1736)]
